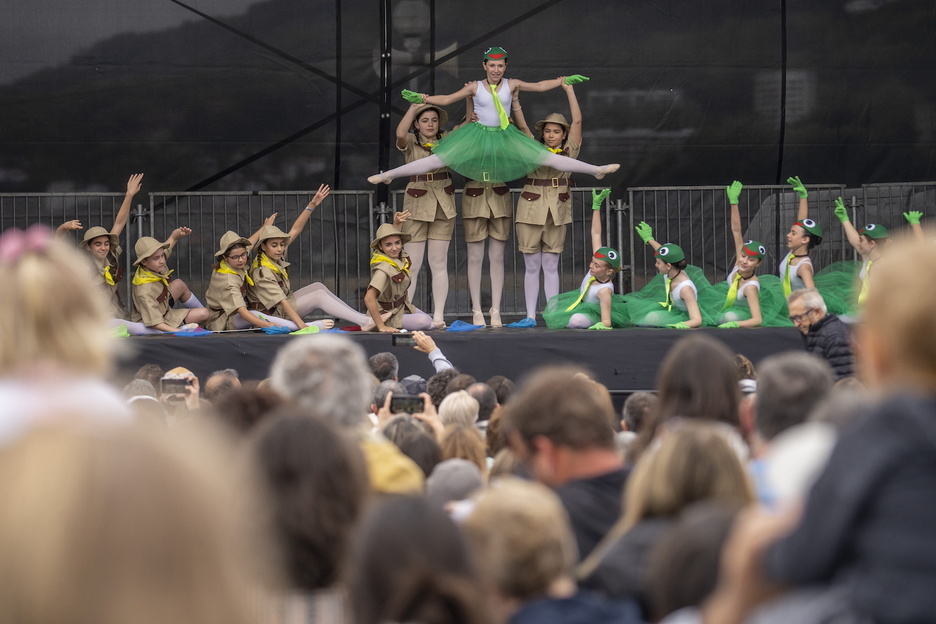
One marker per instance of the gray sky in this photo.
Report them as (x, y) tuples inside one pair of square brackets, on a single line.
[(36, 34)]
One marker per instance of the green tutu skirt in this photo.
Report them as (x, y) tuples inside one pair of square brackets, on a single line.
[(645, 306), (557, 317), (489, 154), (772, 303), (839, 287)]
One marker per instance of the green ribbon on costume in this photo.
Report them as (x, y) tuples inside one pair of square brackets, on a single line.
[(732, 292), (226, 269), (581, 294), (504, 122), (262, 260), (668, 304), (865, 286)]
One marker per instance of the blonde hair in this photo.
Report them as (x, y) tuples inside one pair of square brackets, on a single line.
[(51, 311), (121, 524), (694, 461), (461, 441), (459, 408), (521, 536)]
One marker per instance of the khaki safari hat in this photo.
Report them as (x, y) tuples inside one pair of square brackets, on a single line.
[(443, 116), (556, 118), (146, 247), (385, 230), (229, 240), (93, 233)]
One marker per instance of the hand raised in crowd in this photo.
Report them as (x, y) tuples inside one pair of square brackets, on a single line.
[(424, 343), (271, 219)]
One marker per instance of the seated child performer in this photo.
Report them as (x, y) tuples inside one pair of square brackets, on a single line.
[(271, 294), (154, 292), (672, 298), (386, 298), (869, 242), (594, 305), (748, 301)]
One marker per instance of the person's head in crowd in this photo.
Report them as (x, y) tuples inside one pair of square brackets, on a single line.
[(746, 368), (464, 442), (896, 345), (243, 409), (414, 384), (561, 427), (52, 315), (807, 307), (453, 480), (840, 407), (384, 366), (503, 388), (326, 373), (400, 426), (684, 565), (422, 448), (139, 388), (506, 463), (522, 540), (411, 564), (142, 399), (180, 393), (382, 390), (459, 382), (126, 524), (494, 434), (790, 386), (486, 398), (317, 481), (220, 383), (151, 373), (459, 407), (636, 410), (436, 386)]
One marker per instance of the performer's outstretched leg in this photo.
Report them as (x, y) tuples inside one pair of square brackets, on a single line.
[(564, 163), (421, 165), (135, 329), (317, 297), (579, 321), (496, 267), (438, 264), (550, 275), (416, 252), (418, 321), (531, 281), (475, 261)]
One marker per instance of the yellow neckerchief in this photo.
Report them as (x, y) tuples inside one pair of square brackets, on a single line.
[(504, 122), (108, 277), (145, 276), (224, 267), (865, 286), (428, 146), (668, 304), (262, 261), (582, 294), (555, 150), (378, 257), (732, 292)]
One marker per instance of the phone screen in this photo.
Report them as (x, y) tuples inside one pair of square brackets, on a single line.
[(403, 340), (406, 404)]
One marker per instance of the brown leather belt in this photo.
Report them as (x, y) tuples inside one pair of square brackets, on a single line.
[(430, 177), (392, 305), (553, 182)]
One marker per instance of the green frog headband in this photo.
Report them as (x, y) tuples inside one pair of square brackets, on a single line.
[(874, 231), (495, 54), (753, 249), (610, 256), (670, 253), (811, 227)]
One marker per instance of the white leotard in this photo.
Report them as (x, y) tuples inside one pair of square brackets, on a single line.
[(592, 295), (676, 294), (484, 103), (796, 281), (741, 299)]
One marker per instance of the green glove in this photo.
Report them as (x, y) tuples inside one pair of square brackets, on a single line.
[(734, 192), (729, 325), (598, 198), (599, 325), (412, 97), (308, 329), (575, 79), (798, 186), (679, 326), (840, 210), (913, 217), (644, 231), (119, 331)]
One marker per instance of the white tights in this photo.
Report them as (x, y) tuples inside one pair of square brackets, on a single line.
[(580, 321), (495, 266), (433, 162), (549, 263), (309, 298), (438, 265)]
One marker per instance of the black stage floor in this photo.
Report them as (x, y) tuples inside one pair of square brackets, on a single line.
[(624, 360)]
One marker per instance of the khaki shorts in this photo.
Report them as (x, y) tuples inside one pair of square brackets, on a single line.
[(476, 230), (549, 238), (439, 229)]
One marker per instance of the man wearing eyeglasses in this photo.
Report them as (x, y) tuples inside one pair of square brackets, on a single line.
[(824, 334)]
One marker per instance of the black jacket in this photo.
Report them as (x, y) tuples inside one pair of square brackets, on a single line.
[(830, 339)]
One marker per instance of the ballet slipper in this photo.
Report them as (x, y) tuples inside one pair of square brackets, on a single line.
[(380, 177), (495, 318), (326, 324), (371, 325), (604, 170), (440, 324), (477, 318)]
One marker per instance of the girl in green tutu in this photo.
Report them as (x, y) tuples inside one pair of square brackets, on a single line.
[(491, 149), (748, 301), (594, 305)]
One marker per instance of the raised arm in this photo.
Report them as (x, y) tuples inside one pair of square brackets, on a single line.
[(403, 128), (803, 210), (541, 86), (598, 199), (913, 218), (850, 232), (175, 236), (645, 232), (134, 184), (256, 235), (575, 111), (440, 100), (303, 218), (516, 112), (734, 195)]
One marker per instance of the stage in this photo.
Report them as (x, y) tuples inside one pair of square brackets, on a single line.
[(624, 360)]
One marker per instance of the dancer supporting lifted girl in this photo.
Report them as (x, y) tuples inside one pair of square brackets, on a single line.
[(491, 149)]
